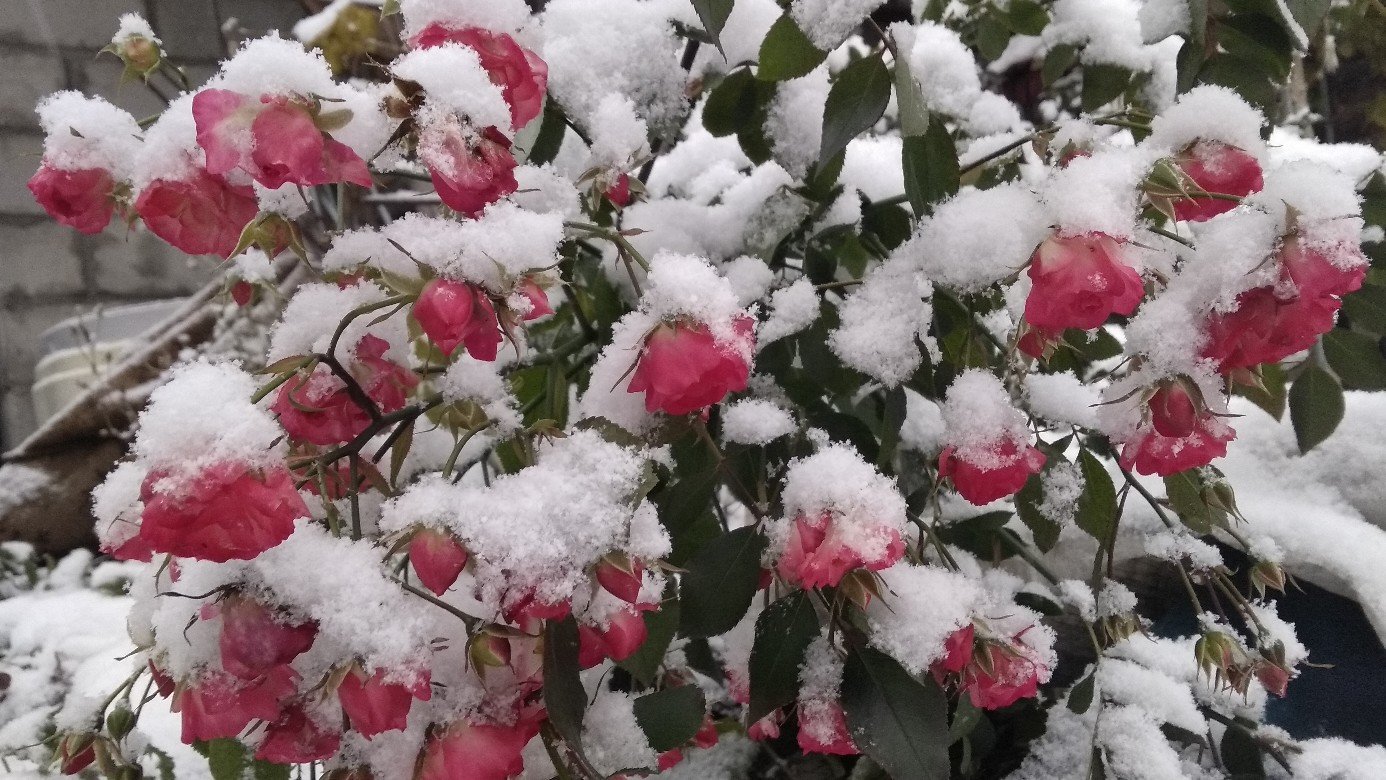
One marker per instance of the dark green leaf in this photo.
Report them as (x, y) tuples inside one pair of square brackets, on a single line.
[(783, 632), (1356, 358), (858, 98), (1057, 62), (1038, 603), (1185, 493), (1271, 396), (550, 138), (1102, 84), (670, 717), (713, 14), (1080, 695), (786, 53), (733, 102), (993, 35), (1259, 40), (1316, 407), (1248, 80), (1241, 755), (1309, 13), (660, 626), (227, 759), (1026, 17), (1366, 309), (1097, 506), (930, 164), (1027, 502), (901, 723), (720, 583), (685, 500), (966, 716), (564, 697), (977, 535)]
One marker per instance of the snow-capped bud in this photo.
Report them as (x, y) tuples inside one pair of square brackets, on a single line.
[(670, 759), (818, 555), (624, 633), (538, 300), (707, 735), (470, 171), (76, 751), (254, 640), (438, 558), (767, 727), (618, 192), (140, 55), (374, 706), (823, 730), (682, 369), (1172, 410), (453, 313), (621, 576), (519, 72), (1080, 281)]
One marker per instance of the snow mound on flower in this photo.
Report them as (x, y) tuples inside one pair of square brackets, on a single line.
[(1209, 113), (88, 132), (454, 83), (1062, 398), (820, 684), (607, 396), (978, 415), (540, 528), (881, 321), (920, 607), (865, 504), (505, 16), (203, 415), (685, 286), (755, 422), (619, 135), (1098, 193), (979, 237), (1326, 203)]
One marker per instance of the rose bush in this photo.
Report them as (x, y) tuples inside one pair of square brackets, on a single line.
[(659, 422)]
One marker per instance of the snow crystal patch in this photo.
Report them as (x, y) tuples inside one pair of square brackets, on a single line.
[(1062, 398), (979, 237), (921, 606), (755, 422), (793, 122), (611, 736), (619, 136), (88, 132), (455, 83), (1209, 113), (792, 309), (979, 417), (505, 16), (828, 22), (881, 321)]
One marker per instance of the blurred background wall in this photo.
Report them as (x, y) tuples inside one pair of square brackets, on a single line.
[(49, 272)]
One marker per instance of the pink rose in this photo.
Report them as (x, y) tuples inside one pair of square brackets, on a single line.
[(624, 634), (1002, 471), (254, 640), (623, 582), (1263, 328), (438, 558), (228, 511), (1321, 273), (1152, 453), (219, 706), (374, 706), (538, 300), (274, 140), (296, 739), (1080, 281), (201, 215), (1219, 168), (318, 409), (520, 74), (817, 556), (683, 369), (452, 313), (994, 674), (83, 199), (468, 174), (473, 751)]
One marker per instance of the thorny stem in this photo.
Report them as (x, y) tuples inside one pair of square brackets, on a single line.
[(1170, 235), (729, 477), (384, 421), (354, 497), (353, 388), (439, 603)]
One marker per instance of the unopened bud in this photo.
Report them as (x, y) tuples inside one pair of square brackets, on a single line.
[(1267, 575), (140, 54), (76, 751), (1216, 650), (487, 650), (120, 721)]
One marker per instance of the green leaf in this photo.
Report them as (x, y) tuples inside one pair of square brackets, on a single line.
[(564, 697), (1185, 493), (227, 759), (1102, 84), (978, 535), (1026, 17), (786, 52), (1057, 62), (1309, 13), (1241, 755), (1356, 358), (721, 581), (901, 723), (930, 164), (713, 14), (966, 716), (551, 130), (992, 37), (670, 717), (1097, 506), (733, 102), (914, 114), (1080, 695), (783, 632), (684, 501), (858, 98), (1316, 407), (1271, 396), (1027, 502), (1366, 308), (1259, 40), (660, 626)]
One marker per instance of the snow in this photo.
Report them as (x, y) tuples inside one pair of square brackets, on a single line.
[(792, 309), (920, 607), (454, 83), (611, 737), (1062, 399), (979, 416), (1356, 161), (828, 22), (755, 422), (619, 136), (1209, 113), (881, 320), (88, 132), (963, 245), (923, 429), (1077, 594), (793, 122), (1098, 193), (505, 16), (865, 505), (134, 26), (820, 679), (480, 382)]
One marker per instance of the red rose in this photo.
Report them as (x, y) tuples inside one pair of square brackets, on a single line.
[(318, 409), (624, 634), (1151, 452), (1219, 168), (520, 74), (201, 215), (682, 369), (81, 199), (817, 556), (1263, 328), (468, 174), (254, 640), (1080, 281), (374, 706), (824, 730), (472, 751), (285, 145), (295, 739), (623, 582), (438, 558), (999, 472), (228, 511), (452, 313), (220, 706)]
